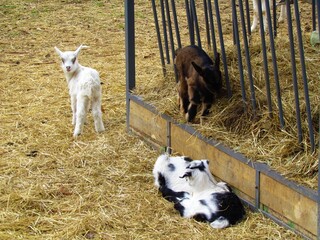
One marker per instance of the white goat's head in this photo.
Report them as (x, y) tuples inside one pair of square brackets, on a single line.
[(69, 59)]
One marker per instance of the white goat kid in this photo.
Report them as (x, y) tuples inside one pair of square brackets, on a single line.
[(84, 88), (283, 14)]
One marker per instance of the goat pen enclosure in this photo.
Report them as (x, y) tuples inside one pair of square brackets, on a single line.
[(275, 128)]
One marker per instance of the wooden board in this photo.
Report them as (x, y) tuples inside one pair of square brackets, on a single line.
[(148, 124), (287, 202), (222, 165)]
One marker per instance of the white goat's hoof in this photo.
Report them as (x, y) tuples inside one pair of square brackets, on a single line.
[(100, 129), (99, 126), (77, 133)]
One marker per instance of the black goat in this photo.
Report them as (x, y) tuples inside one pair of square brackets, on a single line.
[(199, 79)]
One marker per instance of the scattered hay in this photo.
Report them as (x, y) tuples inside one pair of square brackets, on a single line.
[(99, 186)]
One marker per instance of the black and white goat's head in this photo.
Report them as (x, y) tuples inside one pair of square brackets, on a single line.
[(198, 174)]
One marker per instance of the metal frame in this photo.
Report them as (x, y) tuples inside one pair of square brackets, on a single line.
[(130, 53)]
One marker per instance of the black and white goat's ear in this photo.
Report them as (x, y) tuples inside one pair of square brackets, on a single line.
[(186, 175), (198, 68), (197, 165)]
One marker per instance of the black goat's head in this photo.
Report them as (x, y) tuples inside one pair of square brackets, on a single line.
[(211, 74)]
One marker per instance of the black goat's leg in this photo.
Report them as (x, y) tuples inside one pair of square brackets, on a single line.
[(192, 112), (205, 109), (206, 104)]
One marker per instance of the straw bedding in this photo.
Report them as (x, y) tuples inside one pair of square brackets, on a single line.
[(98, 186)]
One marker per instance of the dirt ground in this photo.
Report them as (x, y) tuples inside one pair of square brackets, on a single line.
[(99, 186)]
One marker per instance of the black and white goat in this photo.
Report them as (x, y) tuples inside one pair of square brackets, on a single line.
[(194, 191), (199, 79)]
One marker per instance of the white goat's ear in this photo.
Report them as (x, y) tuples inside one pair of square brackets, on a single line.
[(76, 52), (58, 51)]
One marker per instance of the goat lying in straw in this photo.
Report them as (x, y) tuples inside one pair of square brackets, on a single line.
[(195, 192)]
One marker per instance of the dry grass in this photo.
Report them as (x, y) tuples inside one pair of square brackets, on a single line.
[(98, 186)]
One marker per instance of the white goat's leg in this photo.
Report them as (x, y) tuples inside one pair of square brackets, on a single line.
[(74, 108), (255, 21), (256, 16), (88, 110), (283, 13), (97, 114), (265, 21), (82, 106)]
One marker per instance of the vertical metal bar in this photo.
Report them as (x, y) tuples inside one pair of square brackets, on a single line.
[(304, 77), (190, 22), (171, 37), (275, 66), (206, 18), (175, 20), (164, 25), (318, 10), (169, 27), (195, 21), (169, 137), (240, 67), (274, 4), (313, 15), (155, 16), (213, 37), (233, 31), (176, 25), (294, 74), (223, 52), (257, 190), (248, 17), (246, 48), (130, 54), (265, 59)]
